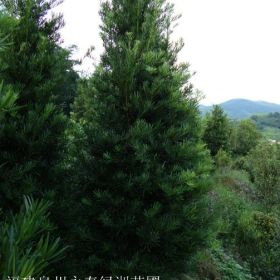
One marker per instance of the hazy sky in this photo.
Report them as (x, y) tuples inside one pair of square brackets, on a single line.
[(233, 45)]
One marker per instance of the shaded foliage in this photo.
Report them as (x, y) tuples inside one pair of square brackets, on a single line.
[(145, 166), (38, 71), (217, 131), (26, 246)]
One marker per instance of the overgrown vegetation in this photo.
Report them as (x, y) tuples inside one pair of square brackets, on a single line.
[(120, 164), (269, 125)]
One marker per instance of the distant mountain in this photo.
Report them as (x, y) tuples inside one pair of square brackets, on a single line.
[(243, 108)]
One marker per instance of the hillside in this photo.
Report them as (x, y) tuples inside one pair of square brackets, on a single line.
[(243, 108), (269, 125)]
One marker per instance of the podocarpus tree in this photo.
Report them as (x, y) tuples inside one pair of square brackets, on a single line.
[(144, 174), (217, 131), (7, 96), (26, 246), (34, 62), (33, 65)]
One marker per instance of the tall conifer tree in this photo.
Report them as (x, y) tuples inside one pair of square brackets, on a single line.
[(146, 166), (36, 68)]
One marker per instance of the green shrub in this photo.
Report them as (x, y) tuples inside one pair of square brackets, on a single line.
[(228, 267), (217, 264), (222, 159), (264, 165), (239, 163), (258, 241), (244, 137)]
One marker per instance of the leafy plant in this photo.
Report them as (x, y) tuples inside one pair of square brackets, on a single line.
[(228, 267), (7, 101), (244, 137), (222, 159), (264, 165), (27, 248), (37, 74)]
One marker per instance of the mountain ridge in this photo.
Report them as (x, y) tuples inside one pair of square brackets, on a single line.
[(240, 108)]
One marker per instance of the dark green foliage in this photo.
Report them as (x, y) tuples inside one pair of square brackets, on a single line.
[(27, 249), (34, 62), (83, 107), (272, 120), (145, 166), (7, 96), (37, 69), (26, 246), (244, 137), (7, 102), (128, 173), (30, 149), (217, 131)]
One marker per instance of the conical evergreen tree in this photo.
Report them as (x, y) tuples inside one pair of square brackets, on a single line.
[(217, 131), (145, 168), (26, 246), (33, 65)]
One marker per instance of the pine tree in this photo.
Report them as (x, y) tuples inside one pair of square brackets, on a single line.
[(33, 66), (217, 131), (145, 168)]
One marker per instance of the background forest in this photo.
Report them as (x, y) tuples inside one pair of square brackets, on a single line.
[(118, 174)]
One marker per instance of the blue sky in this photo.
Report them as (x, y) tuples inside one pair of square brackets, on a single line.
[(232, 45)]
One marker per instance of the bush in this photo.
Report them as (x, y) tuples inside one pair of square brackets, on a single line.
[(216, 264), (258, 240), (222, 159), (264, 165), (244, 137)]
